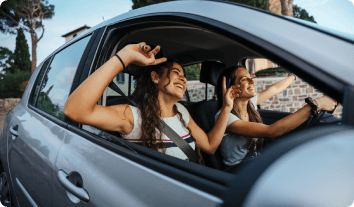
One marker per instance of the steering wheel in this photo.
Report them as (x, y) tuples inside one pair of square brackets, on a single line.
[(314, 121)]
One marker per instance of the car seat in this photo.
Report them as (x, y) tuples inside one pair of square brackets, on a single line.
[(204, 112)]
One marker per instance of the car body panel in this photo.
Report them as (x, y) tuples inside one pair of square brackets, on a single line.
[(112, 180), (32, 155), (326, 165)]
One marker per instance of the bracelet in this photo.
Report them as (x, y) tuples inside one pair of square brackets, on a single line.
[(314, 107), (318, 106), (121, 61)]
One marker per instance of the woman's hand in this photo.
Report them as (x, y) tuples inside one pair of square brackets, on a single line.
[(326, 103), (229, 95), (140, 54)]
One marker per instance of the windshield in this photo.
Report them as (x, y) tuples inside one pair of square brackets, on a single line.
[(347, 36)]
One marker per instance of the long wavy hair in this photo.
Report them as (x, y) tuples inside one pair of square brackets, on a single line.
[(146, 96), (255, 144)]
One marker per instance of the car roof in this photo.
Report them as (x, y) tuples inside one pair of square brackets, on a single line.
[(331, 53)]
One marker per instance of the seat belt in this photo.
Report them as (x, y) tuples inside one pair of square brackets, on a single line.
[(170, 133)]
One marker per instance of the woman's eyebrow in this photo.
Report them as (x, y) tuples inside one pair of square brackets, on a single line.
[(176, 69)]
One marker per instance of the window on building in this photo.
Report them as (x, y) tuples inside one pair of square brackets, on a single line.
[(74, 35)]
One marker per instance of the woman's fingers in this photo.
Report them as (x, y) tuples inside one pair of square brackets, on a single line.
[(224, 85)]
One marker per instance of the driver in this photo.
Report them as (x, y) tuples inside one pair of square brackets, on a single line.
[(160, 87), (245, 131)]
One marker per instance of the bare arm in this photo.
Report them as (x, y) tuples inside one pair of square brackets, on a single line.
[(82, 106), (211, 141), (275, 89), (281, 127)]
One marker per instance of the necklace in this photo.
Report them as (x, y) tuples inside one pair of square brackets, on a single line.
[(242, 115)]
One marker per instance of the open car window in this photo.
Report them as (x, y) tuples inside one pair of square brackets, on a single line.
[(265, 73)]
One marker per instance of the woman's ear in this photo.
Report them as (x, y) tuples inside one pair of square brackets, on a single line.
[(154, 77)]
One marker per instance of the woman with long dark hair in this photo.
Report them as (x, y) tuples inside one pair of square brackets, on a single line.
[(161, 85), (245, 131)]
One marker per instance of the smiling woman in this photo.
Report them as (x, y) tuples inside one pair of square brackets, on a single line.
[(160, 86)]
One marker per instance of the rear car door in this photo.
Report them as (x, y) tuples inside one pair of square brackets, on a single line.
[(38, 128)]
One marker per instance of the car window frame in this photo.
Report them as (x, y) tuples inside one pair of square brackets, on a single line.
[(163, 163), (62, 123)]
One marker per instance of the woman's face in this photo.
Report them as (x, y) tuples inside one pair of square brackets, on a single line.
[(247, 85), (177, 82)]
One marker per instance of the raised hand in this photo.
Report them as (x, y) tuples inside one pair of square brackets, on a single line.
[(326, 103), (229, 94), (141, 54)]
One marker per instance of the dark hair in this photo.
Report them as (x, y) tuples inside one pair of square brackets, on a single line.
[(146, 96), (230, 74)]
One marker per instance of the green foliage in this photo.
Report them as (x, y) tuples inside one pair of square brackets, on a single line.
[(262, 4), (192, 72), (271, 72), (7, 60), (10, 84), (46, 104), (302, 14), (142, 3), (21, 54), (13, 12)]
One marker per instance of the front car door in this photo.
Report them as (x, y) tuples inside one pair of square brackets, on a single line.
[(104, 170), (39, 126)]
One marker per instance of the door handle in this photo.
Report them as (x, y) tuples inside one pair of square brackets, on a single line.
[(72, 188), (14, 131)]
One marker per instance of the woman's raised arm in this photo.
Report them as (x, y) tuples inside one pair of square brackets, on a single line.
[(275, 89), (82, 106)]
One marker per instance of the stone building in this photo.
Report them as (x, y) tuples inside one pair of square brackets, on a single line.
[(68, 36)]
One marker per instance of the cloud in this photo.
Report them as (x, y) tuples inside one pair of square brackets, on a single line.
[(1, 1), (352, 1), (312, 3)]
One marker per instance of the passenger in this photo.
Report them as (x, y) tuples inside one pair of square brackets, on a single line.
[(160, 87), (245, 131)]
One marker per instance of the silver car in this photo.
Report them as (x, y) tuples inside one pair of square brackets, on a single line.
[(49, 160)]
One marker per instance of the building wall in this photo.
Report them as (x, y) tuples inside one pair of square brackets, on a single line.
[(290, 100), (69, 37)]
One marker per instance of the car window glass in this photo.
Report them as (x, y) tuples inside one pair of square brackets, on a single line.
[(39, 80), (196, 89), (122, 81), (58, 79), (265, 73)]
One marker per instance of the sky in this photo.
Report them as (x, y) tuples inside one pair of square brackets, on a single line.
[(72, 14)]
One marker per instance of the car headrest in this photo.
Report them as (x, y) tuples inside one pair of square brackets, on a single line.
[(210, 72)]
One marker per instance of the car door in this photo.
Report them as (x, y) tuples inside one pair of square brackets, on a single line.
[(94, 168), (38, 128)]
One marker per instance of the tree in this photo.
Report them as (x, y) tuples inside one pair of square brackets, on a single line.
[(7, 60), (27, 14), (192, 72), (302, 14), (262, 4), (287, 7), (21, 54)]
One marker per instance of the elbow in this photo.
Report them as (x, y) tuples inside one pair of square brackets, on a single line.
[(70, 113), (210, 151)]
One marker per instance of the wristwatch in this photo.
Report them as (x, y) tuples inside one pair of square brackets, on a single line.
[(314, 106)]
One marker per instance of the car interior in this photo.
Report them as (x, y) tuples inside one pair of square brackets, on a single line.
[(191, 44)]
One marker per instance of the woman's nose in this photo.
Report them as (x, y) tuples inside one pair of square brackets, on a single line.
[(183, 79), (250, 80)]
